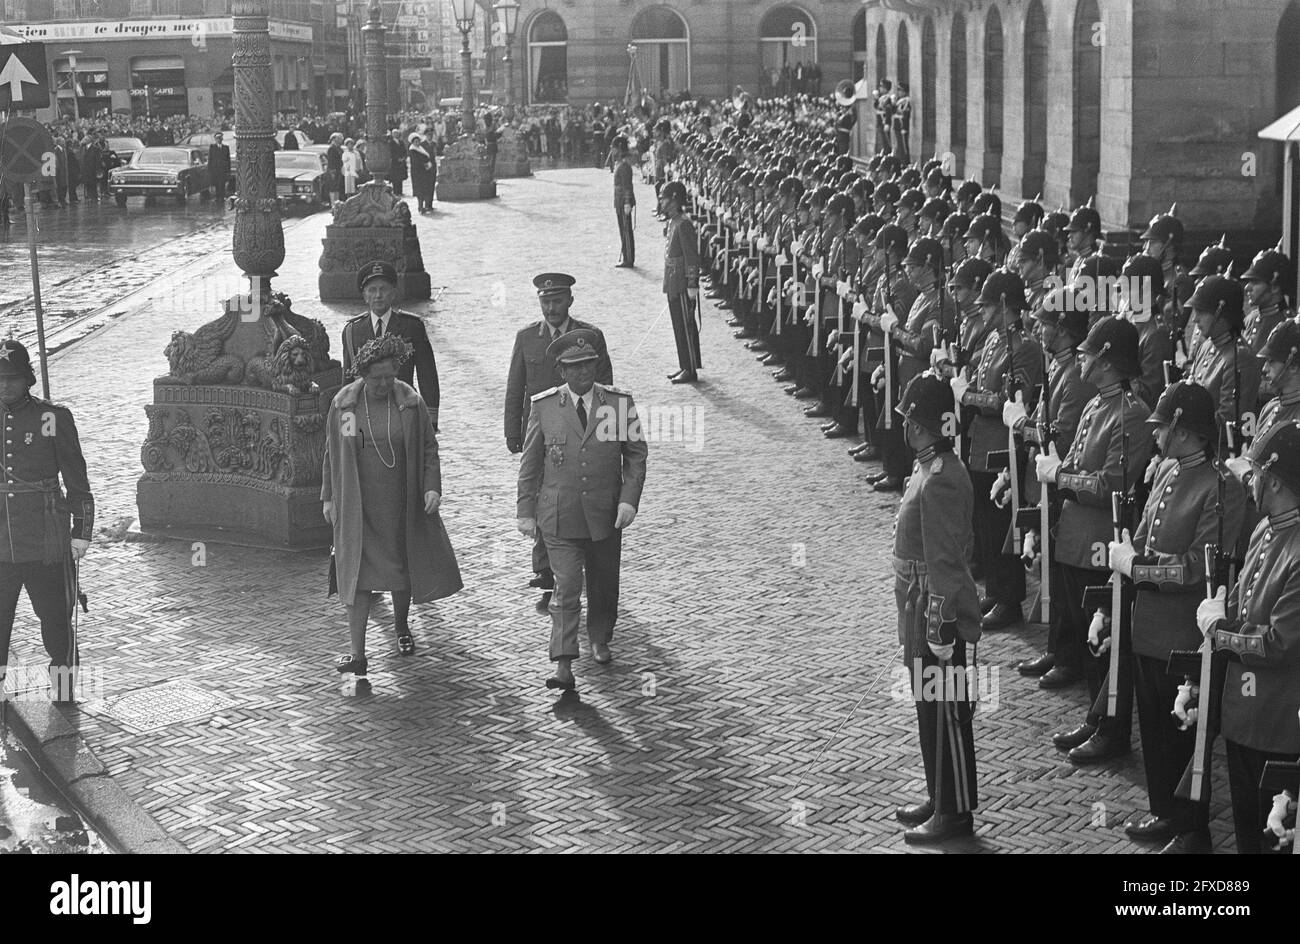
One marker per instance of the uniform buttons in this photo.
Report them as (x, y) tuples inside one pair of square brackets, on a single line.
[(1168, 489), (1162, 504), (1157, 521)]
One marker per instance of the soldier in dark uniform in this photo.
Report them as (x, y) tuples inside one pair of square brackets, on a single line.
[(1156, 343), (1223, 364), (580, 483), (1261, 694), (938, 611), (624, 202), (533, 370), (1266, 281), (681, 280), (377, 281), (39, 546), (1166, 561)]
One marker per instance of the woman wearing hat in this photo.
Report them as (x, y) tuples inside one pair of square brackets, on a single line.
[(382, 485), (424, 171)]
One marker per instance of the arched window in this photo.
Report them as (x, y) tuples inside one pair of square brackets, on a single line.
[(929, 55), (860, 45), (548, 58), (904, 71), (993, 95), (1087, 102), (787, 38), (663, 52), (882, 55), (1035, 98), (957, 57)]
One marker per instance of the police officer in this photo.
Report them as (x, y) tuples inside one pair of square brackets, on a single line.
[(1166, 561), (532, 371), (681, 280), (40, 547), (1261, 694), (580, 483), (938, 612), (377, 282)]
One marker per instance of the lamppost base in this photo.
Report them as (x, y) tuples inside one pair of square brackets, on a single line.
[(464, 172)]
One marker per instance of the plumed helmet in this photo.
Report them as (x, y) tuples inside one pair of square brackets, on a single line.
[(1283, 342), (1055, 222), (841, 204), (909, 177), (936, 208), (1149, 271), (868, 225), (927, 252), (790, 187), (988, 202), (1268, 266), (674, 190), (955, 226), (969, 190), (1163, 228), (985, 228), (887, 192), (1215, 259)]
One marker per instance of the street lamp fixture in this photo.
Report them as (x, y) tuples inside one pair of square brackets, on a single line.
[(507, 14), (464, 11), (72, 55)]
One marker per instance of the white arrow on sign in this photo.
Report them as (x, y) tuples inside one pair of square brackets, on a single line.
[(14, 74)]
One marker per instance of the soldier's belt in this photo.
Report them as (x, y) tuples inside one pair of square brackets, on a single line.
[(43, 486)]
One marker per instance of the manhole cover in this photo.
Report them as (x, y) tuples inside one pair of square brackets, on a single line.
[(161, 705)]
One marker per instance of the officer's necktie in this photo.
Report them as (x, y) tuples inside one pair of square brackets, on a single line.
[(582, 414), (379, 326)]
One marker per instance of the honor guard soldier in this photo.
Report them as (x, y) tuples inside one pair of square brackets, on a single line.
[(1261, 634), (894, 292), (532, 370), (1163, 241), (681, 280), (1282, 371), (624, 202), (1223, 364), (580, 483), (41, 547), (1082, 234), (1036, 259), (377, 282), (1028, 215), (1266, 282), (938, 612), (1143, 299), (1109, 452), (1190, 505)]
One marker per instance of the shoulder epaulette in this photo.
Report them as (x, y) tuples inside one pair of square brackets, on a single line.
[(364, 314), (619, 390), (544, 394)]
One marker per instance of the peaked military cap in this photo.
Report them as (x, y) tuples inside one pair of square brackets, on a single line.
[(553, 283), (375, 270), (574, 347)]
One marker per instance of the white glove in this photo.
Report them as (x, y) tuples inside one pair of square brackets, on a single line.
[(888, 321), (782, 259), (79, 548), (818, 270), (809, 315), (526, 526), (860, 310), (1238, 467), (1282, 804), (1187, 693), (1149, 475), (1212, 610), (797, 247), (763, 244), (833, 338), (878, 378), (1121, 555), (1047, 467), (1029, 549), (1001, 485), (842, 288), (1099, 622), (1013, 411), (846, 358), (942, 653), (959, 385)]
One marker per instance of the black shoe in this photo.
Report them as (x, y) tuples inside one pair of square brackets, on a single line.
[(744, 335), (544, 603), (1098, 748), (1000, 617), (826, 427), (890, 483), (676, 375), (1037, 668), (773, 359), (685, 378), (762, 344), (839, 431), (543, 581), (735, 323), (348, 663), (914, 814), (791, 389), (784, 375), (1059, 677), (725, 305), (1151, 826), (817, 409), (1192, 843), (405, 645), (940, 827), (1069, 740), (987, 603), (624, 265), (870, 454)]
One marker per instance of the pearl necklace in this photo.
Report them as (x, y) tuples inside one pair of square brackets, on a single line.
[(392, 451)]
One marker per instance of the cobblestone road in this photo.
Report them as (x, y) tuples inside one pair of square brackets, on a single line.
[(757, 613)]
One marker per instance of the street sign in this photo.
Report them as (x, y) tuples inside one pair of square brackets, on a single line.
[(24, 80), (26, 151)]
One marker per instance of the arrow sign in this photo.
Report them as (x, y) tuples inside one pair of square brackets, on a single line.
[(24, 80)]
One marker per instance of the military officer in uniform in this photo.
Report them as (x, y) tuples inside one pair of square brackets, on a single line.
[(681, 280), (532, 371), (377, 282), (40, 547), (938, 611), (1261, 693), (624, 202), (580, 483)]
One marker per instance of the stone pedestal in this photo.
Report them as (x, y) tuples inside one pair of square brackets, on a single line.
[(237, 463), (374, 225), (464, 172), (512, 156)]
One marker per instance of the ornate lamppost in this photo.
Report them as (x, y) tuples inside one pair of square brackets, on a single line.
[(464, 172), (507, 14), (512, 153), (377, 157)]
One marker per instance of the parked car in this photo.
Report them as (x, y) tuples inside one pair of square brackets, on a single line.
[(121, 150), (300, 177), (157, 171), (204, 140)]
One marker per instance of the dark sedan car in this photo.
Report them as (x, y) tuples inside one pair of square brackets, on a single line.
[(155, 171), (204, 139), (299, 177)]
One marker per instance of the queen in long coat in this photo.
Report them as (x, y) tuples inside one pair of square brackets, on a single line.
[(381, 488)]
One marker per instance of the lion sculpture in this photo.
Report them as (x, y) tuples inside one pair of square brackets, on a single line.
[(294, 367), (198, 359)]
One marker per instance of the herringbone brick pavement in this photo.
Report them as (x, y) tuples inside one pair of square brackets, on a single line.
[(757, 611)]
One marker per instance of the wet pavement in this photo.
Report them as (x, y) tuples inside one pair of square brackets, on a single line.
[(34, 818)]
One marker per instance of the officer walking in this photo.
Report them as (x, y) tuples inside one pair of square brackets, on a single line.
[(39, 547), (938, 611), (580, 483), (377, 282), (533, 370)]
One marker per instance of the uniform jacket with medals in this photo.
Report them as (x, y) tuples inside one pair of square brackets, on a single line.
[(411, 329), (572, 481), (1092, 470), (932, 538), (1169, 572), (531, 371), (1261, 694), (41, 446)]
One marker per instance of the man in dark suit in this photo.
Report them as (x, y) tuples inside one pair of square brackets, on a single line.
[(219, 165), (377, 282), (532, 371)]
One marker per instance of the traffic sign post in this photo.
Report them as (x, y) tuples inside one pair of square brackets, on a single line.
[(27, 155), (24, 78)]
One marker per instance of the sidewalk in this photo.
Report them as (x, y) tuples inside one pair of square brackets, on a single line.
[(757, 610)]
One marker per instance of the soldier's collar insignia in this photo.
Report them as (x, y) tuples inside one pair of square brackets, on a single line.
[(1285, 520), (1109, 391), (1192, 461)]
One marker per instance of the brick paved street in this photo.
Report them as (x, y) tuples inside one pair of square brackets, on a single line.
[(757, 611)]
